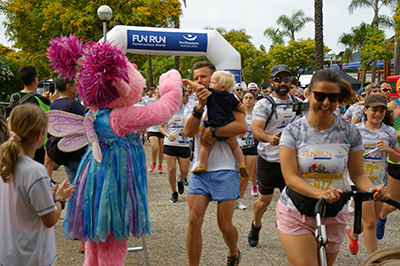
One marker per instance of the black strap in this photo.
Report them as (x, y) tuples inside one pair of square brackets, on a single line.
[(68, 105), (26, 97)]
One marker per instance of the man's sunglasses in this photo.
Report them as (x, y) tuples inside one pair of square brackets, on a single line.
[(253, 90), (332, 97), (385, 89), (239, 89), (280, 79), (363, 95)]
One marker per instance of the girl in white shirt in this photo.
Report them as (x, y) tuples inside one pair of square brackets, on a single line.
[(28, 208)]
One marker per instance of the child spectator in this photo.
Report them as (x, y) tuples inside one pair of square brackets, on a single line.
[(28, 208)]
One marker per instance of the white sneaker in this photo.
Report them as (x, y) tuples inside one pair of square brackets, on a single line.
[(351, 205), (240, 205)]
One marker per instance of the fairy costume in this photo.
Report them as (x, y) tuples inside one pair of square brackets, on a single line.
[(111, 196)]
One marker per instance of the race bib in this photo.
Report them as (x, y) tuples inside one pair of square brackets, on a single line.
[(183, 139), (324, 181), (372, 170), (247, 142)]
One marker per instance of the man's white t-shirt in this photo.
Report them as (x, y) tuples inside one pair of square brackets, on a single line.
[(220, 154), (278, 121), (24, 240)]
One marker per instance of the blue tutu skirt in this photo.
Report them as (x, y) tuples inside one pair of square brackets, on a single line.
[(111, 196)]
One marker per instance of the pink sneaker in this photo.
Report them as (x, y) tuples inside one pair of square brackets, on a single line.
[(254, 192), (159, 169), (152, 166)]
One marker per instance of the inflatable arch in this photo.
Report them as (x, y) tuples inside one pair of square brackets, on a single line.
[(168, 41)]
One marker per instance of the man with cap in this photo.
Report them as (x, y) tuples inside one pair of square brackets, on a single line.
[(253, 87), (269, 173), (238, 90)]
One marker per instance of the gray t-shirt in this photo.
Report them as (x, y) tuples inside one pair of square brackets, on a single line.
[(24, 240), (375, 161), (322, 155), (279, 120)]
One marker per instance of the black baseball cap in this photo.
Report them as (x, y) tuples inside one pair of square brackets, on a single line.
[(275, 70)]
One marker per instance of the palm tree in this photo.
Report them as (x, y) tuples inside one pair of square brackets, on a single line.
[(377, 20), (294, 23), (319, 37), (276, 35), (354, 42)]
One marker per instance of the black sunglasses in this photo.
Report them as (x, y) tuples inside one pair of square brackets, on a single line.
[(239, 89), (320, 96), (363, 95), (279, 79)]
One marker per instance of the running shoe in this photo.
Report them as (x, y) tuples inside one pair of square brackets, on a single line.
[(185, 182), (174, 197), (234, 260), (254, 192), (254, 235), (353, 242), (240, 205), (380, 228), (181, 187), (160, 169), (152, 166)]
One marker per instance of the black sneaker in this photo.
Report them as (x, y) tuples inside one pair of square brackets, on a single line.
[(181, 188), (254, 235), (234, 260), (174, 197)]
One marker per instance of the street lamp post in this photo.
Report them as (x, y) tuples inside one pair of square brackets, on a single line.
[(331, 55), (105, 13)]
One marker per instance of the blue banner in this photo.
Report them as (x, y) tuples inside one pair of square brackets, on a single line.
[(237, 73), (167, 41)]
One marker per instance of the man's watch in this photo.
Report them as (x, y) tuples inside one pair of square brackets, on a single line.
[(212, 129), (62, 203)]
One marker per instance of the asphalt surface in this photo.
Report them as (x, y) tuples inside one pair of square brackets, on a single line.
[(169, 222)]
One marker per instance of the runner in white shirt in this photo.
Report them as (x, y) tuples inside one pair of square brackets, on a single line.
[(176, 147), (249, 149), (267, 125), (155, 137), (317, 149), (379, 141)]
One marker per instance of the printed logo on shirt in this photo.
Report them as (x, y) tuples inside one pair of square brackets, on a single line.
[(285, 115), (339, 155), (318, 155), (284, 124), (314, 168)]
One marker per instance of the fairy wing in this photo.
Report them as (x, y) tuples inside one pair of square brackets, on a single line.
[(70, 127), (92, 137), (72, 143), (64, 124)]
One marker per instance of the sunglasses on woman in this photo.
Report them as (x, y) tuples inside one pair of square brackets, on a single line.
[(332, 97)]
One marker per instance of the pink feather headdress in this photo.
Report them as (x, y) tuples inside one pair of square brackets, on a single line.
[(64, 54), (102, 65)]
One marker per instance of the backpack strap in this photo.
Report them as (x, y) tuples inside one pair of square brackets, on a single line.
[(68, 105), (269, 98), (26, 97)]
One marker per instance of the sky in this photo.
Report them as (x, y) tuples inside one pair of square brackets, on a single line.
[(255, 16)]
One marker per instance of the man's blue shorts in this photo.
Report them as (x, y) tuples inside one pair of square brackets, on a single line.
[(220, 185)]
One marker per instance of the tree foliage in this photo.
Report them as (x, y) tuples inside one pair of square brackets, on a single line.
[(9, 79), (376, 48), (276, 35), (31, 23), (298, 55), (295, 23)]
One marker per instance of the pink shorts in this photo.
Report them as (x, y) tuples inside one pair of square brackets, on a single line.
[(292, 222)]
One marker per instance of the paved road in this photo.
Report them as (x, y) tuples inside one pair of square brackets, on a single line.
[(167, 245)]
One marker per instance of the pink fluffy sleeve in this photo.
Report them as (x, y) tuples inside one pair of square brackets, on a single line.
[(126, 120)]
